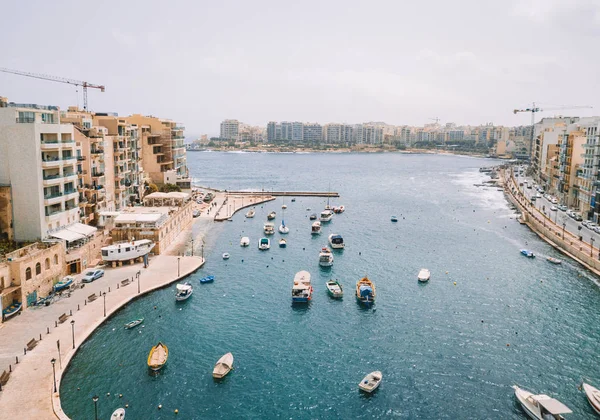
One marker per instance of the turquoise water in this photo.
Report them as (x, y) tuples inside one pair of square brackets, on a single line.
[(446, 351)]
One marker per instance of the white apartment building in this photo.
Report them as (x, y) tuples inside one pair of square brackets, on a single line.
[(230, 129)]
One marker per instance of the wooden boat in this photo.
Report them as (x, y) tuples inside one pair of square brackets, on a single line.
[(371, 382), (365, 291), (223, 366), (250, 214), (271, 215), (424, 275), (593, 396), (540, 407), (64, 283), (207, 279), (134, 323), (11, 310), (282, 243), (118, 414), (158, 356), (334, 289), (554, 260), (184, 291)]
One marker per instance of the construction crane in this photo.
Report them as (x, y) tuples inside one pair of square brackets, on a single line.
[(85, 85)]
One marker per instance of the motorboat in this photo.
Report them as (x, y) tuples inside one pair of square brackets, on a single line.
[(365, 291), (245, 241), (424, 275), (394, 219), (540, 407), (158, 356), (325, 257), (269, 228), (226, 256), (250, 214), (224, 366), (554, 260), (118, 414), (316, 228), (313, 216), (283, 228), (127, 250), (326, 215), (283, 206), (302, 288), (271, 215), (336, 241), (593, 396), (371, 382), (64, 283), (207, 279), (134, 323), (282, 243), (527, 253), (334, 289), (11, 310), (339, 209), (184, 291), (264, 244)]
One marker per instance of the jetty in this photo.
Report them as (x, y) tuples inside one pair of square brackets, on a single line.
[(288, 193)]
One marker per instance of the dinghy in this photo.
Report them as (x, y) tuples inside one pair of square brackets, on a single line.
[(118, 414), (223, 366), (334, 289), (158, 356), (371, 382), (593, 396), (134, 323)]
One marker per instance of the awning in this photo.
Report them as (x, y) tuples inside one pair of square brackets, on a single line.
[(82, 229), (9, 290), (67, 235)]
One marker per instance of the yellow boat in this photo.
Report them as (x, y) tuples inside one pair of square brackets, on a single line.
[(365, 291), (158, 356)]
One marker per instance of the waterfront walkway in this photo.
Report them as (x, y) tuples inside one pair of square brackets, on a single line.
[(29, 392)]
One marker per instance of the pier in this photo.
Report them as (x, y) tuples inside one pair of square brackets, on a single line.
[(288, 193)]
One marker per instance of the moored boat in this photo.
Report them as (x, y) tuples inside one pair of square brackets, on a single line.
[(527, 253), (334, 289), (64, 283), (207, 279), (336, 241), (158, 356), (316, 228), (127, 250), (283, 228), (540, 407), (554, 260), (245, 241), (271, 215), (593, 396), (365, 291), (283, 206), (302, 288), (325, 257), (223, 366), (11, 310), (269, 228), (264, 244), (226, 256), (394, 219), (424, 275), (339, 209), (371, 382), (250, 214), (282, 243), (184, 291), (326, 215), (118, 414), (313, 216), (134, 323)]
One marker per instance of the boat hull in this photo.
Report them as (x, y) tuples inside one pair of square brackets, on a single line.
[(133, 324), (11, 311), (589, 390), (325, 263), (301, 299), (158, 365), (63, 286)]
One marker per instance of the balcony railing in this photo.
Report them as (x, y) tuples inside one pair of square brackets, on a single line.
[(67, 192), (80, 158), (68, 157), (97, 174), (53, 195), (97, 152), (26, 120), (49, 177), (52, 212)]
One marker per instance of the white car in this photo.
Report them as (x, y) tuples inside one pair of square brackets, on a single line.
[(554, 200), (562, 207), (92, 275), (553, 208)]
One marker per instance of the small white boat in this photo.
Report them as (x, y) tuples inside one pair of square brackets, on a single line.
[(283, 228), (540, 407), (302, 289), (250, 214), (336, 241), (245, 241), (316, 228), (325, 257), (226, 256), (264, 244), (118, 414), (282, 243), (271, 215), (326, 215), (424, 275), (334, 289), (134, 323), (284, 206), (554, 260), (269, 228), (223, 366), (593, 396), (127, 250), (184, 291), (371, 382)]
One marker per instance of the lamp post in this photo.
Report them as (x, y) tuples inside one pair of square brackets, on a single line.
[(53, 361), (203, 249), (104, 296), (73, 332), (192, 247), (591, 246), (564, 225), (95, 399), (138, 279), (178, 258)]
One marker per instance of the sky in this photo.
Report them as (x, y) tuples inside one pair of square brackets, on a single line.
[(400, 62)]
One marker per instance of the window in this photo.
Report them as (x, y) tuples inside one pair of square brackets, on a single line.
[(28, 273), (55, 258), (47, 264), (38, 269)]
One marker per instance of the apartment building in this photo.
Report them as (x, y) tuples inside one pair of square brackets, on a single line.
[(312, 133), (230, 129)]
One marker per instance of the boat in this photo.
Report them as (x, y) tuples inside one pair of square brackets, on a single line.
[(223, 366), (158, 356), (207, 279), (283, 228), (540, 407), (11, 310), (593, 396), (250, 214), (184, 291), (271, 215), (226, 256), (394, 219), (269, 228), (282, 243), (127, 250), (302, 289), (326, 215), (284, 206), (264, 244), (365, 291), (325, 257), (196, 213), (371, 382), (118, 414), (424, 275), (64, 283), (527, 253), (554, 260), (134, 323), (339, 209), (293, 200), (316, 228), (334, 289), (313, 216), (336, 241), (245, 241)]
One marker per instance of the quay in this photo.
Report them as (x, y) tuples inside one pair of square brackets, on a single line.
[(288, 193)]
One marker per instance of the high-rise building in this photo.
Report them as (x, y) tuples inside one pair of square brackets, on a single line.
[(313, 133), (297, 131), (230, 129)]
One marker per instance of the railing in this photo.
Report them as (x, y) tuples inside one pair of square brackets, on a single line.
[(82, 172), (48, 177), (68, 157), (49, 159), (67, 192), (51, 196), (97, 174), (26, 120), (81, 157), (97, 152), (70, 174), (53, 212), (49, 142)]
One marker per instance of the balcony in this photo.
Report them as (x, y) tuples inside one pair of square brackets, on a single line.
[(50, 145), (70, 194), (69, 159), (26, 120), (97, 151), (50, 162), (53, 198), (52, 179), (97, 174), (82, 173), (70, 177), (80, 158)]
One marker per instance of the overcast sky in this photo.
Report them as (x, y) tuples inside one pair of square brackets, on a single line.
[(401, 62)]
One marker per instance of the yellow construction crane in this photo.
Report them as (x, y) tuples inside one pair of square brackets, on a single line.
[(85, 85)]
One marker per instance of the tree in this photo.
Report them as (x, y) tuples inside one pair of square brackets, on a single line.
[(169, 188), (152, 188)]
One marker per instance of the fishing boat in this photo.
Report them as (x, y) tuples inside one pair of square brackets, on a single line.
[(269, 228), (283, 228), (223, 366), (371, 382), (271, 215), (207, 279), (11, 310), (334, 289), (250, 214), (554, 260), (316, 228), (326, 215), (527, 253), (302, 288), (184, 291), (325, 257), (394, 219), (127, 250), (593, 396), (282, 243), (245, 241), (64, 283), (313, 216), (540, 407), (336, 241), (264, 244), (424, 275), (134, 323), (158, 356), (365, 291), (118, 414), (226, 256), (339, 209)]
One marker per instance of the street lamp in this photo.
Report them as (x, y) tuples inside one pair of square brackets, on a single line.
[(564, 225), (202, 249), (95, 399), (53, 361), (192, 247), (73, 332), (138, 279), (178, 258), (104, 296), (591, 246)]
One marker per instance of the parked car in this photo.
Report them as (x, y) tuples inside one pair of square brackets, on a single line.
[(562, 207), (92, 275), (533, 198), (553, 208), (554, 200), (571, 213), (578, 217)]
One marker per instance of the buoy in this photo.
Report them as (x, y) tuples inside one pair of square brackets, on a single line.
[(120, 395), (176, 411), (507, 345), (108, 394), (126, 405), (446, 272), (455, 283), (78, 389), (159, 406)]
